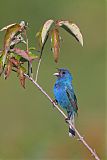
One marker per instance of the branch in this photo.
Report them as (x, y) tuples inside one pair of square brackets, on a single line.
[(94, 154), (38, 67)]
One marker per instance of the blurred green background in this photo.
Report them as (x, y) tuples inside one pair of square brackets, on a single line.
[(29, 126)]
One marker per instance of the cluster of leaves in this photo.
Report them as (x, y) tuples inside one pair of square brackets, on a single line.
[(13, 58), (51, 29)]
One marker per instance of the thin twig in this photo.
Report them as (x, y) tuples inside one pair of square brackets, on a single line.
[(29, 63), (94, 154), (38, 70)]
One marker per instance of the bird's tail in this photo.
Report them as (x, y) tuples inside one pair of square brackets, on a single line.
[(71, 129)]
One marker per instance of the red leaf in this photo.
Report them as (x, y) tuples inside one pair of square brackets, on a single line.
[(24, 54), (15, 62), (8, 69)]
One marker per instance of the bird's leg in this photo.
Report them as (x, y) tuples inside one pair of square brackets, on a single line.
[(68, 118)]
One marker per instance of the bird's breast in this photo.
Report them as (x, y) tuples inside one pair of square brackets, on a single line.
[(61, 96)]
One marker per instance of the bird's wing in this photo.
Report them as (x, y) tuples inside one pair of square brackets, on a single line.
[(72, 98)]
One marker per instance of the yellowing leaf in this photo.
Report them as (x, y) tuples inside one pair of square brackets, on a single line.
[(46, 27), (55, 39), (72, 28), (6, 27), (11, 31), (38, 35), (43, 36)]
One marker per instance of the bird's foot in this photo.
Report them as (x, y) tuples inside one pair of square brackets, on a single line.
[(67, 120), (54, 102)]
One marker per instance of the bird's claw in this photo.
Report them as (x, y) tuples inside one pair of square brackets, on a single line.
[(55, 102), (67, 120)]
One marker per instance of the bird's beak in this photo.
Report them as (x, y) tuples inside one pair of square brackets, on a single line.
[(56, 74)]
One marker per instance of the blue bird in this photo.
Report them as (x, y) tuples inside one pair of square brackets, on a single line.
[(65, 96)]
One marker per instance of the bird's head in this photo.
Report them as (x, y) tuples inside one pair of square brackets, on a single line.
[(63, 74)]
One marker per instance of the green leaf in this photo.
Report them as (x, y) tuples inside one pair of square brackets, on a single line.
[(32, 55), (72, 28), (32, 48), (23, 69), (16, 56)]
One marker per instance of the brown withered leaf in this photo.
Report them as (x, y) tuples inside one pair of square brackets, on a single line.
[(72, 28), (15, 62), (1, 69), (22, 78), (55, 40), (8, 69)]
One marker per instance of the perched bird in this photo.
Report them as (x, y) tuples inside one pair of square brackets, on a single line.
[(65, 96)]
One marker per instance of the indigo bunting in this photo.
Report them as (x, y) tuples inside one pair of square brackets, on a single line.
[(65, 96)]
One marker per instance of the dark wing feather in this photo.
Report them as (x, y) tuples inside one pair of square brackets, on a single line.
[(72, 98)]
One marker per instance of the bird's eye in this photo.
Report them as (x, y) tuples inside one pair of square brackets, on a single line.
[(63, 72)]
